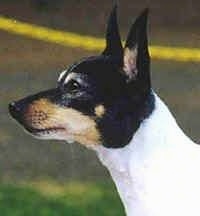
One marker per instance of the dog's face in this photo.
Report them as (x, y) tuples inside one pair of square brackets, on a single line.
[(100, 100)]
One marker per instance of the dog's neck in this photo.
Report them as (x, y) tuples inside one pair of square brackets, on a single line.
[(131, 166)]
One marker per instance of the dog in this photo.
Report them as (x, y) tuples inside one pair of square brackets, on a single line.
[(107, 104)]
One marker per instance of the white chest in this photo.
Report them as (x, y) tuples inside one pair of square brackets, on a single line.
[(158, 173)]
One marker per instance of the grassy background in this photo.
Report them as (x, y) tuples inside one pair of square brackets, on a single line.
[(52, 199)]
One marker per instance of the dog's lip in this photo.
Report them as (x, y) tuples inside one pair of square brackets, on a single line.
[(44, 130)]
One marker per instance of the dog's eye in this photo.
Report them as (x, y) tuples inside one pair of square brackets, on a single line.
[(72, 86)]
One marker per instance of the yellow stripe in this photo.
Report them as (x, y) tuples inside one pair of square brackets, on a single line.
[(90, 43)]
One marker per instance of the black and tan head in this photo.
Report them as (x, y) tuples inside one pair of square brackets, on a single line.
[(100, 100)]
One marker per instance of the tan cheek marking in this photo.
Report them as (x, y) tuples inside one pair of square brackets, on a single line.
[(88, 138), (81, 127), (99, 110)]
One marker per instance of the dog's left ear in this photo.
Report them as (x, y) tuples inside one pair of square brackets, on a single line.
[(136, 60), (113, 40)]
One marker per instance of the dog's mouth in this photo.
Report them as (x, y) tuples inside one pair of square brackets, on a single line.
[(54, 133), (44, 131)]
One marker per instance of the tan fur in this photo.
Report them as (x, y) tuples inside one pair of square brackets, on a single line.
[(43, 114), (130, 58), (99, 110)]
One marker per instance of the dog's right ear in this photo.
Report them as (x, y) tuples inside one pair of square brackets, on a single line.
[(113, 40)]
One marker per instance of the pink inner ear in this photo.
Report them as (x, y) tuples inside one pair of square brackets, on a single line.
[(130, 59)]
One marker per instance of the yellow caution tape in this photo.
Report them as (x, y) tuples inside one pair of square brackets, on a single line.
[(90, 43)]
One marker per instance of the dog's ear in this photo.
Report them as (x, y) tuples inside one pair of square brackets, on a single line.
[(136, 60), (113, 40)]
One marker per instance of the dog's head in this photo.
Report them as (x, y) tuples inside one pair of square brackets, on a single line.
[(100, 100)]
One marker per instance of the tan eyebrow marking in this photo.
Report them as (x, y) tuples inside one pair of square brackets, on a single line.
[(99, 110)]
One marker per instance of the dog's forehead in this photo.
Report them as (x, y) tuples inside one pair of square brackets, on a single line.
[(95, 65)]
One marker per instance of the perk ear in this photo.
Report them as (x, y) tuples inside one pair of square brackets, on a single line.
[(136, 55), (113, 40)]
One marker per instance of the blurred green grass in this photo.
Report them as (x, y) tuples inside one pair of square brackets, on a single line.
[(52, 199)]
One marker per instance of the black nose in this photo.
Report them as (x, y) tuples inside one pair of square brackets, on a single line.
[(14, 110)]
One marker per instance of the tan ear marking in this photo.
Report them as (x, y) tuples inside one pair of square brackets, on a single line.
[(99, 110), (130, 62)]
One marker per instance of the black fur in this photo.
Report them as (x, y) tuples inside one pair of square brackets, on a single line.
[(101, 80), (113, 40)]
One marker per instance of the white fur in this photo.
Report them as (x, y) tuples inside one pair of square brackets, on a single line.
[(158, 172), (69, 77), (61, 75)]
